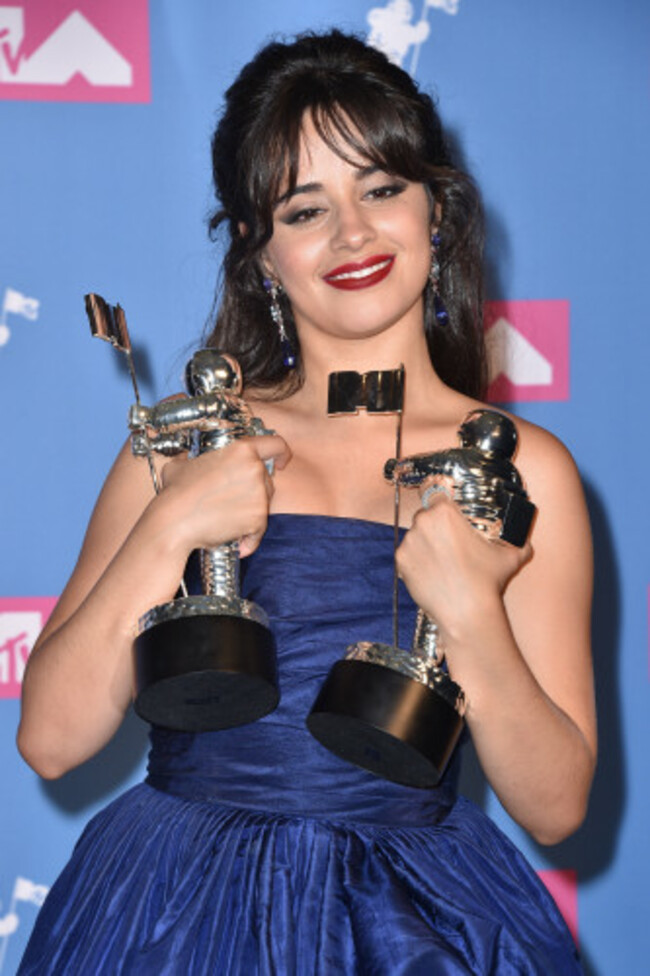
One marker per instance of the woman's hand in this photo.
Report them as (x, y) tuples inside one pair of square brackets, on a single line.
[(79, 679), (451, 569), (223, 495), (514, 627)]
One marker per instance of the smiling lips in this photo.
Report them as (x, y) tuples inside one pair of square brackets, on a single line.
[(350, 277)]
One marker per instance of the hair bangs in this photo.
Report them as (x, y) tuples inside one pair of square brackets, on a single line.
[(360, 125)]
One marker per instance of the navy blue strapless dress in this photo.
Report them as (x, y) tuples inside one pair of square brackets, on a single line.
[(255, 851)]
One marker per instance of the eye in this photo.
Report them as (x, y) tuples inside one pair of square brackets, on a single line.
[(387, 190), (302, 216)]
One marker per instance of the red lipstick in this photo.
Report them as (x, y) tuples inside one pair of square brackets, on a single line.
[(362, 274)]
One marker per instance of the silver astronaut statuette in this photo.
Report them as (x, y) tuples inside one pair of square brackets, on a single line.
[(206, 661), (397, 712)]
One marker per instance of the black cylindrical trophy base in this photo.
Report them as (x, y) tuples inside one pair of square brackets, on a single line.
[(385, 722), (205, 672)]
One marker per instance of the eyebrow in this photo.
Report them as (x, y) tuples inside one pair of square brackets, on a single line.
[(361, 173)]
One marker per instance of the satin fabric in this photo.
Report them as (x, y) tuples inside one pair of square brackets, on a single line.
[(256, 851)]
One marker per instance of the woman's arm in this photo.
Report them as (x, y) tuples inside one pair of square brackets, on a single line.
[(79, 679), (515, 625)]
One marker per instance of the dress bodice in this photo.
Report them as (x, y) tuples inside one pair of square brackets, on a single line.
[(324, 583)]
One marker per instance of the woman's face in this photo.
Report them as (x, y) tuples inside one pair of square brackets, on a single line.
[(351, 246)]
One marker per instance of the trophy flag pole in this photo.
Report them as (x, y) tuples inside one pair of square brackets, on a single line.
[(398, 454), (377, 391), (108, 322), (396, 712)]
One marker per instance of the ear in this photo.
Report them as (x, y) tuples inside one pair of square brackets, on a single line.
[(265, 266)]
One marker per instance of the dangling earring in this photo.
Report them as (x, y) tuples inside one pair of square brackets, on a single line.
[(440, 312), (272, 288)]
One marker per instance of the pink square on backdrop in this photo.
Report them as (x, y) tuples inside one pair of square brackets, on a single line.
[(528, 350), (563, 886), (21, 620), (75, 51)]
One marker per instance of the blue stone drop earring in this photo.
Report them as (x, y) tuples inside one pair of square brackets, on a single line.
[(440, 312), (272, 288)]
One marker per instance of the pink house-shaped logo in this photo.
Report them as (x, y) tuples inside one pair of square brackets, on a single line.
[(528, 350), (75, 50)]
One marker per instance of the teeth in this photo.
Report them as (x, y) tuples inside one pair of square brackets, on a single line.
[(362, 272)]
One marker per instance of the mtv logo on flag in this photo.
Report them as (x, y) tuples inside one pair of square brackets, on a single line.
[(21, 621), (563, 886), (75, 51), (528, 350)]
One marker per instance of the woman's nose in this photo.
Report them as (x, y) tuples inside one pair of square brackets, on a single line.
[(353, 228)]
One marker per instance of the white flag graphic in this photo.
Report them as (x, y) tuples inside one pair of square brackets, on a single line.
[(8, 925), (25, 890), (449, 6), (19, 304)]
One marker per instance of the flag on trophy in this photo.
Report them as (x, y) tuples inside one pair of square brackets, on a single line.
[(108, 322)]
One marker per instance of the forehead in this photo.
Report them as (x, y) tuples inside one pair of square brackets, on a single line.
[(327, 151)]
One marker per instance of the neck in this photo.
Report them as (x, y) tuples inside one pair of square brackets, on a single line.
[(383, 352)]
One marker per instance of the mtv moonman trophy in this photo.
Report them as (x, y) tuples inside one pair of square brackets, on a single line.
[(203, 662), (395, 712)]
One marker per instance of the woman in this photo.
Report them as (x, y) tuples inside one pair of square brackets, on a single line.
[(254, 849)]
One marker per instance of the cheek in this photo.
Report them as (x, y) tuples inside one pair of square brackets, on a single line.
[(422, 233), (421, 253), (412, 231), (291, 261)]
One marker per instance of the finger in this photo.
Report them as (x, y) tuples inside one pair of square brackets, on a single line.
[(169, 470), (271, 446), (268, 484), (521, 553), (435, 501), (249, 543), (434, 487), (526, 553), (435, 495)]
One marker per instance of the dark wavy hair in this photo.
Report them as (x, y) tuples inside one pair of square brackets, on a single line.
[(361, 102)]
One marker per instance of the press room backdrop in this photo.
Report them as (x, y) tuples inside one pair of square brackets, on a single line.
[(106, 110)]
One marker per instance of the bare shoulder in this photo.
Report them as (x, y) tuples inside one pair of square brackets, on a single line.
[(545, 463), (561, 535)]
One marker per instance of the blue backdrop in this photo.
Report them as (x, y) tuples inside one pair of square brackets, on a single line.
[(105, 187)]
